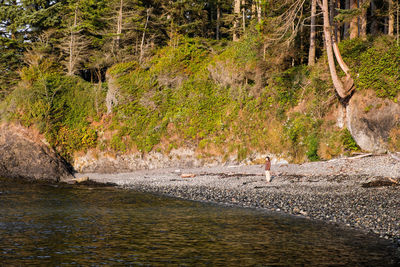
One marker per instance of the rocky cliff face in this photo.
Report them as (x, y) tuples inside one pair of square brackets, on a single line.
[(370, 120), (24, 155), (103, 162)]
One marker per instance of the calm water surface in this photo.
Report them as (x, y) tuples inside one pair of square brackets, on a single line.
[(55, 226)]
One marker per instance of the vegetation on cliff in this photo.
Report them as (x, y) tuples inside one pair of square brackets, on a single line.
[(188, 74)]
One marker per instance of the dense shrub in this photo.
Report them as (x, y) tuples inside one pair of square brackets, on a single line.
[(288, 84), (59, 106), (349, 143), (375, 65)]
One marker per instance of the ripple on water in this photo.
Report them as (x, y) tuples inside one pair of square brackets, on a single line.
[(57, 226)]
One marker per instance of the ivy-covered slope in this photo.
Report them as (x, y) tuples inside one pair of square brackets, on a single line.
[(217, 98)]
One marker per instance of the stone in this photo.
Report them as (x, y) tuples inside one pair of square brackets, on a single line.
[(370, 120), (296, 210), (24, 155)]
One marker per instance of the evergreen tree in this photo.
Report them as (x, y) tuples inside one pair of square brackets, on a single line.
[(11, 44)]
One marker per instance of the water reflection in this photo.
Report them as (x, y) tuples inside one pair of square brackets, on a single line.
[(48, 225)]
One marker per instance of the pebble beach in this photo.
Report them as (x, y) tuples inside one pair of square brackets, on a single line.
[(361, 192)]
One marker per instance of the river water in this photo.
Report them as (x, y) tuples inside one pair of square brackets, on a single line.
[(53, 225)]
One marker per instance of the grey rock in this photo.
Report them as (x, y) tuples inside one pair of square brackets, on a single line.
[(23, 156), (370, 120)]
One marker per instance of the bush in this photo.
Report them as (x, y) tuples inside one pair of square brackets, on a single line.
[(70, 140), (380, 71), (375, 64), (59, 106), (312, 147), (287, 85), (349, 143), (302, 132)]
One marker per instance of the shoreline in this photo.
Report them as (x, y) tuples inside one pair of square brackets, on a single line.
[(360, 192)]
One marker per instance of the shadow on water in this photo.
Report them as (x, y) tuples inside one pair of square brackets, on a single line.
[(55, 225)]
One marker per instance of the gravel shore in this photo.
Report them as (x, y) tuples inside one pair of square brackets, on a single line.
[(358, 192)]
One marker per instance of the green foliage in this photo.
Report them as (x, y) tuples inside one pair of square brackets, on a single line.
[(117, 144), (348, 141), (142, 124), (376, 65), (242, 153), (188, 58), (243, 53), (59, 106), (287, 85), (194, 106), (71, 140), (122, 68), (353, 49), (380, 71), (296, 128), (312, 147), (302, 131)]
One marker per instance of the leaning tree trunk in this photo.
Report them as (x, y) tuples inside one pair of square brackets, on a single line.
[(343, 90)]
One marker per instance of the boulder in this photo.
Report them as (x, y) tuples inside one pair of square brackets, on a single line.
[(24, 155), (370, 119)]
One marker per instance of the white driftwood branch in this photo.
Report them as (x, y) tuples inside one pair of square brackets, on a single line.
[(395, 156), (361, 156)]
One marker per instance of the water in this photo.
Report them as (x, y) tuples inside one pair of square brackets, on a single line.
[(64, 225)]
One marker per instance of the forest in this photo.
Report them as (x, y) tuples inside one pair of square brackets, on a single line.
[(221, 77)]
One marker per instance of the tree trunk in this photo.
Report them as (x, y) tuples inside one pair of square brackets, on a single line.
[(236, 21), (391, 18), (354, 21), (334, 25), (311, 51), (119, 24), (244, 16), (218, 21), (144, 35), (363, 18), (259, 11), (346, 25), (339, 58), (398, 26), (337, 25), (71, 64), (374, 22), (337, 83)]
